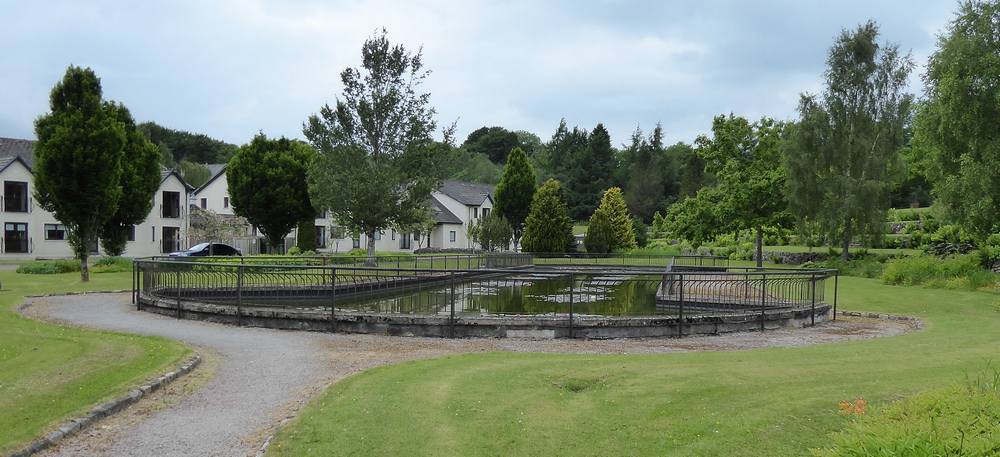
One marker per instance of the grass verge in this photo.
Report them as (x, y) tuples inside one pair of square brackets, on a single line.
[(51, 372), (747, 403)]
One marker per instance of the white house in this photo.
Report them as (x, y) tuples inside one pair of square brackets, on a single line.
[(455, 206), (31, 232)]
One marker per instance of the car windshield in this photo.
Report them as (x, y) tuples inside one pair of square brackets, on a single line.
[(198, 247)]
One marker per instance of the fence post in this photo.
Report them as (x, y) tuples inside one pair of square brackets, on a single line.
[(680, 308), (178, 285), (836, 287), (239, 295), (812, 309), (572, 284), (451, 316), (135, 271), (763, 299), (333, 300)]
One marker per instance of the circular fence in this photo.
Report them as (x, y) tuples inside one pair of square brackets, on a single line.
[(487, 295)]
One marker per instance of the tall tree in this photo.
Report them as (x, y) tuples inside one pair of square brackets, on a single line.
[(267, 185), (958, 126), (195, 174), (645, 181), (746, 158), (690, 170), (194, 147), (515, 191), (78, 160), (139, 179), (844, 147), (376, 160), (548, 227), (614, 209), (495, 142)]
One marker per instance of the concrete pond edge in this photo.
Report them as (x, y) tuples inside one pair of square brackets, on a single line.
[(106, 409)]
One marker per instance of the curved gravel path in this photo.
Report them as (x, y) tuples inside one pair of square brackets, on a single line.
[(261, 377)]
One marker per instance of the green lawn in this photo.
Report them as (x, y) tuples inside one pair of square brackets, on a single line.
[(49, 373), (752, 403)]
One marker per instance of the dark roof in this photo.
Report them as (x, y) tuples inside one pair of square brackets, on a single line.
[(25, 149), (467, 193), (442, 215), (217, 169), (166, 172)]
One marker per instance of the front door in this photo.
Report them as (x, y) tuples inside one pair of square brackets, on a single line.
[(171, 239), (15, 237)]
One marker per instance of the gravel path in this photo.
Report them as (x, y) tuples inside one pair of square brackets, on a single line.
[(261, 377)]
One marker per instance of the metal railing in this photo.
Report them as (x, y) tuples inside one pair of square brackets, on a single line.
[(430, 262), (558, 291)]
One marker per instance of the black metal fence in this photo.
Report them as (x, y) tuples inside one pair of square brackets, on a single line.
[(501, 285)]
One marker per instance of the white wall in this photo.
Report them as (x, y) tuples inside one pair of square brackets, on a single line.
[(37, 218)]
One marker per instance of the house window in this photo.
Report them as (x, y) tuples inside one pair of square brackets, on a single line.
[(15, 237), (171, 204), (378, 236), (15, 197), (204, 203), (404, 241), (475, 212), (392, 234), (131, 233), (55, 232), (320, 236), (356, 243), (225, 202), (486, 213), (451, 236), (171, 239), (154, 233)]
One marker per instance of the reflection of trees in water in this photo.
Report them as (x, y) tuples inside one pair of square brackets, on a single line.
[(591, 296)]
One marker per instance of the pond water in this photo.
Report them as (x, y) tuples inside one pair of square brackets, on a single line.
[(527, 294)]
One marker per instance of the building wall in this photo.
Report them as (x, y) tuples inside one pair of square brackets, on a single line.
[(37, 219)]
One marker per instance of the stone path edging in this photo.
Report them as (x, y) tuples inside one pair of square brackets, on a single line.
[(73, 426)]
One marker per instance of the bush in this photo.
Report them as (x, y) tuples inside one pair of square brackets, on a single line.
[(599, 234), (962, 420), (49, 267), (957, 272), (862, 267), (112, 265), (641, 232), (294, 250)]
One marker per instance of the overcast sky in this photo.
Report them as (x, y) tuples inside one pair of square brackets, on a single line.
[(231, 68)]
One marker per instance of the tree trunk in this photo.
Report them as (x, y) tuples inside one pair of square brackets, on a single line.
[(759, 244), (370, 262), (84, 268), (845, 246)]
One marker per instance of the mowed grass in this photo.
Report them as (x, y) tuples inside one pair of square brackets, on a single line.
[(749, 403), (50, 372)]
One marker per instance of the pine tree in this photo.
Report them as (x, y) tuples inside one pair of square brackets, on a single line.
[(515, 192), (548, 227), (614, 207), (599, 233)]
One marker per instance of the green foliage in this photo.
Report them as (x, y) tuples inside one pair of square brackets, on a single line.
[(195, 174), (139, 180), (464, 165), (80, 144), (622, 231), (648, 173), (842, 152), (306, 236), (493, 142), (186, 146), (957, 272), (376, 160), (641, 232), (695, 219), (514, 193), (963, 420), (583, 162), (493, 233), (51, 267), (48, 267), (746, 160), (659, 226), (267, 185), (600, 233), (548, 227), (957, 126)]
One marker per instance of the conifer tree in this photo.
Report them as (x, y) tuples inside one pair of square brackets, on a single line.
[(515, 192), (613, 205), (548, 227)]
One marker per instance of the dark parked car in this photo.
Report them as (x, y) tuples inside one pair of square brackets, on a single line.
[(207, 249)]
